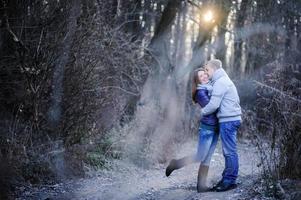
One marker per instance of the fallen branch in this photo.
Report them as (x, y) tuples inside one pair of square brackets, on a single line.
[(277, 91)]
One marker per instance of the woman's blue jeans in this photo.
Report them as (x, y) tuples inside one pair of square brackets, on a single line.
[(206, 145), (228, 132)]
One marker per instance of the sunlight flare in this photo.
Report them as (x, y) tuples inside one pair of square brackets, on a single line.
[(208, 16)]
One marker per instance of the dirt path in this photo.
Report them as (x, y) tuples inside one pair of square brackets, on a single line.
[(127, 181)]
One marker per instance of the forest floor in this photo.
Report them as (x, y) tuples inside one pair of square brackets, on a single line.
[(127, 181)]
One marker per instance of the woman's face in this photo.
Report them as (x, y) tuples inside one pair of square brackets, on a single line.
[(202, 77)]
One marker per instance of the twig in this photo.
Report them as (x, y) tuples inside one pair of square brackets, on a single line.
[(114, 87), (281, 190), (194, 4), (124, 23), (14, 36), (129, 77), (40, 40)]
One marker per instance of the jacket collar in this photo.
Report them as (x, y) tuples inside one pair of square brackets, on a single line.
[(204, 86), (218, 74)]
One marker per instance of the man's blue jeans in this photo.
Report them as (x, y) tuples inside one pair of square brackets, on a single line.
[(228, 132), (206, 145)]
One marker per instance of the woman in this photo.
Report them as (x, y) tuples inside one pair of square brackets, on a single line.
[(208, 132)]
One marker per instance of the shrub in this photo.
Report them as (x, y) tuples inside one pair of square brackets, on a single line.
[(278, 120)]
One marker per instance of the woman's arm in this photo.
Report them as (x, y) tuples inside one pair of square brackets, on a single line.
[(202, 97)]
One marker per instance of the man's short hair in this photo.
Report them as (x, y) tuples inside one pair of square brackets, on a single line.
[(215, 63)]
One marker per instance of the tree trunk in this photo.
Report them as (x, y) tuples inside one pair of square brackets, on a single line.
[(240, 20), (221, 46), (167, 18), (55, 110)]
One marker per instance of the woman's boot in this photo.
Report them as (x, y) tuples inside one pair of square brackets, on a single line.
[(202, 178), (177, 164)]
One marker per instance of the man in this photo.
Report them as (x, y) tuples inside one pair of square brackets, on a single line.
[(225, 99)]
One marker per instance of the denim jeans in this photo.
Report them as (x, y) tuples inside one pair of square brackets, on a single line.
[(228, 131), (206, 146)]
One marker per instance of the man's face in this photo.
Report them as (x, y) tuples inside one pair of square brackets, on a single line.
[(209, 70)]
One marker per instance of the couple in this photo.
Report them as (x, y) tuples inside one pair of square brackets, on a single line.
[(221, 115)]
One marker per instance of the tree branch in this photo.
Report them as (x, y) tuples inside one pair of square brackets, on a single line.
[(277, 91), (13, 35)]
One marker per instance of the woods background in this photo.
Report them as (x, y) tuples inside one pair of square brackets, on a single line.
[(83, 82)]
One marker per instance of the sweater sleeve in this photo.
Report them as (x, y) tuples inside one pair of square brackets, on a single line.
[(202, 97), (218, 93)]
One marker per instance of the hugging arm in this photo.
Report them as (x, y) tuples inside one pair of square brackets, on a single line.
[(218, 93)]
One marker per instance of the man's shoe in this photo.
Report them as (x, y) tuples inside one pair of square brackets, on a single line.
[(225, 187), (215, 186)]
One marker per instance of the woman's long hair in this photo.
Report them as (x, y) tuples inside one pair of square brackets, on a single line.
[(195, 82)]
